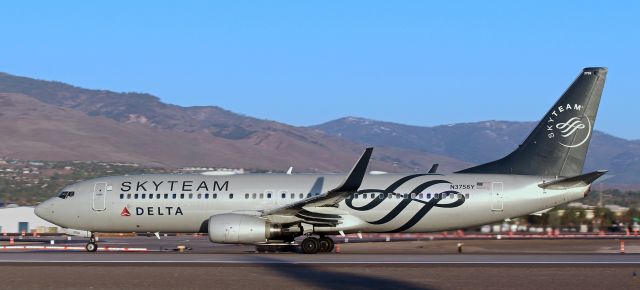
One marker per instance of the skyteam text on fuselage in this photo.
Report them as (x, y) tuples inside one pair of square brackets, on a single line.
[(269, 209)]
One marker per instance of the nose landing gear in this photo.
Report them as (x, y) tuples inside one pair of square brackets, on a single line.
[(92, 246)]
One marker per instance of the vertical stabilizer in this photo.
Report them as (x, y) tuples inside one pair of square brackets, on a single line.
[(558, 145)]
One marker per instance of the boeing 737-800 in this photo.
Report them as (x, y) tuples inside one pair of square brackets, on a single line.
[(268, 209)]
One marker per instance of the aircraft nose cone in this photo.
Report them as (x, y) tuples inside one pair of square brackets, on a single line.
[(43, 210)]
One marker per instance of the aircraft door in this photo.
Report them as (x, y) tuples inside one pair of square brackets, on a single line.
[(99, 196), (497, 195)]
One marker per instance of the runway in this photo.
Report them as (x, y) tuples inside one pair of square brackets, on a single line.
[(489, 264), (200, 251), (318, 259)]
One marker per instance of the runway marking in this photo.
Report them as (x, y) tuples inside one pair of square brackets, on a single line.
[(325, 262), (74, 248)]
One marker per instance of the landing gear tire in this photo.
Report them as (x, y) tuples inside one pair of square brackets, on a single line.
[(310, 245), (325, 245), (91, 247)]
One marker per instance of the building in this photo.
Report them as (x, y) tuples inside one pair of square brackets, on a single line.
[(18, 219)]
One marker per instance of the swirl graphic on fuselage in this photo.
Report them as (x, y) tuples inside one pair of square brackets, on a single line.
[(427, 205)]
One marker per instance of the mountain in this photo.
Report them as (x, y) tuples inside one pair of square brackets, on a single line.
[(484, 141), (55, 121)]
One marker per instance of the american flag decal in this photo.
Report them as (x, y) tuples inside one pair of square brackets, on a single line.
[(483, 185)]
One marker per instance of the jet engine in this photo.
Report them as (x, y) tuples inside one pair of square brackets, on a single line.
[(244, 229)]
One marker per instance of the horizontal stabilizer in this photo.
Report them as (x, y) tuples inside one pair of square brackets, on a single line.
[(575, 181)]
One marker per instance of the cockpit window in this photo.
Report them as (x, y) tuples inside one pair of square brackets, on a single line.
[(66, 194)]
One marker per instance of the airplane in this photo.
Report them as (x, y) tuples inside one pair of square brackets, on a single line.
[(545, 171)]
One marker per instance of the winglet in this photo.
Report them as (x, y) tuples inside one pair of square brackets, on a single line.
[(350, 185), (575, 181), (434, 168), (356, 175)]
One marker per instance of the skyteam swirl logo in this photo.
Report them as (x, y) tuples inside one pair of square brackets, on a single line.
[(572, 133), (436, 201), (567, 129)]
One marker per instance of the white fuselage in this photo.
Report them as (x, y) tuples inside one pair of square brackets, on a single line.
[(385, 203)]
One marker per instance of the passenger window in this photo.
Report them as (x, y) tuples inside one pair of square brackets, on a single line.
[(253, 196), (451, 195), (268, 195), (355, 196), (262, 196), (206, 196), (215, 195), (428, 195), (135, 196), (230, 195), (158, 196), (301, 195), (71, 193), (466, 195), (246, 196), (122, 196), (182, 196), (190, 195), (284, 195), (174, 196), (293, 195), (150, 195), (166, 196), (128, 195), (199, 195), (389, 195), (144, 195)]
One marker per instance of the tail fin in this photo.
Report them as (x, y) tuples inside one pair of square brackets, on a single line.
[(558, 145)]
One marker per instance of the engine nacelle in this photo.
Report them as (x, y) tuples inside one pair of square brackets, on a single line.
[(233, 228)]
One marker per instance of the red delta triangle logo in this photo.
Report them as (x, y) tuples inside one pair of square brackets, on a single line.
[(125, 212)]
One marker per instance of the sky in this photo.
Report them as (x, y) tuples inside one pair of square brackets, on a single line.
[(422, 63)]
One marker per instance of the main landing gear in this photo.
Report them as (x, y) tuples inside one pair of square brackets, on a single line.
[(312, 245), (92, 246)]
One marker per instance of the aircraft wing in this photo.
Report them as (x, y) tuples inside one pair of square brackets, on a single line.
[(331, 198)]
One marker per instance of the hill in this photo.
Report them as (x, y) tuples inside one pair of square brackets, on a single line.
[(43, 120), (481, 142)]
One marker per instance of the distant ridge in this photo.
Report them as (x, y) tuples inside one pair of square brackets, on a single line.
[(481, 142), (56, 121)]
